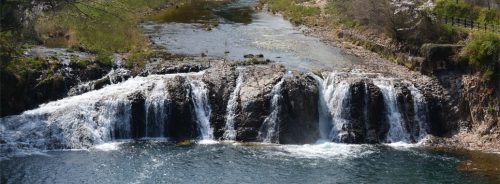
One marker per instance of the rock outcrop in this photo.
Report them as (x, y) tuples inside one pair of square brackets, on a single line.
[(255, 100), (299, 121)]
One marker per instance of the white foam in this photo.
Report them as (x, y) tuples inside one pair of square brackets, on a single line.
[(327, 150), (113, 146), (207, 142)]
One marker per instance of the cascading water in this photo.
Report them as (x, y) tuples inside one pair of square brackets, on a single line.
[(269, 131), (397, 132), (336, 120), (156, 107), (94, 117), (325, 119), (334, 103), (421, 111), (199, 95), (114, 76), (232, 105)]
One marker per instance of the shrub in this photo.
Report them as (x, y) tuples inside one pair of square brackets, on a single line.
[(482, 51), (463, 9)]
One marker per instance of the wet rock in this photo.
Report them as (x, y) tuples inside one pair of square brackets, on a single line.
[(186, 68), (405, 106), (299, 121), (221, 82), (138, 116), (181, 124), (255, 99), (248, 56), (354, 131), (376, 126)]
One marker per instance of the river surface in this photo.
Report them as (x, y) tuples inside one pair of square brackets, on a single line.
[(163, 162), (234, 30)]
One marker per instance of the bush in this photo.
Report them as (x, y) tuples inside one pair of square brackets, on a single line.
[(453, 9), (9, 47), (482, 51), (462, 9)]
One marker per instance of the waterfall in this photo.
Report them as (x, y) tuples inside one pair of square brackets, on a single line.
[(94, 117), (232, 105), (199, 95), (397, 132), (269, 131), (113, 77), (366, 101), (421, 111), (338, 99), (156, 107), (336, 96), (325, 119), (334, 106)]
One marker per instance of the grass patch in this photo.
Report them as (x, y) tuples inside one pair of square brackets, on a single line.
[(97, 26), (292, 9)]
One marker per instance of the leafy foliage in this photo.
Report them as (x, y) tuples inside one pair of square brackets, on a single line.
[(483, 51), (462, 9)]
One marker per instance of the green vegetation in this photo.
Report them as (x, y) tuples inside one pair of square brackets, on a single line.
[(292, 9), (101, 27), (462, 9), (9, 48), (97, 26), (482, 51)]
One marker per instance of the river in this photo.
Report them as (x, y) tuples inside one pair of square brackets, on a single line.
[(101, 149)]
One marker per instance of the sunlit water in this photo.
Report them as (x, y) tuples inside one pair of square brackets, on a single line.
[(161, 162), (267, 34)]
